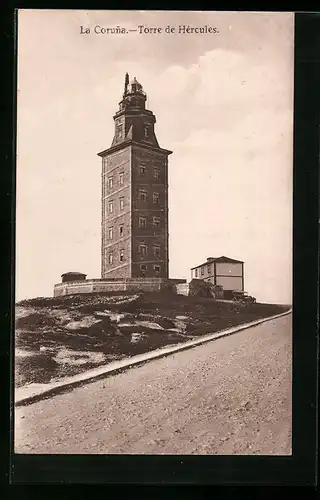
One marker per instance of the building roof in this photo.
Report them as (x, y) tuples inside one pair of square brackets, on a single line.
[(223, 258), (73, 273)]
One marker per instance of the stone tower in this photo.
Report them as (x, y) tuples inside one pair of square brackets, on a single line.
[(134, 193)]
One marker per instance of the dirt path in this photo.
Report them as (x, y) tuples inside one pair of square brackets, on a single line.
[(230, 396)]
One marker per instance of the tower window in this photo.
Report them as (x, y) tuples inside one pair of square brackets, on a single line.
[(119, 131), (157, 269), (143, 269), (121, 230), (156, 173), (142, 222), (202, 271), (121, 200), (146, 132), (156, 198), (110, 207), (143, 250), (209, 269), (110, 182), (110, 233), (156, 251), (142, 195), (196, 273), (110, 258), (121, 178), (156, 222), (142, 170), (121, 255)]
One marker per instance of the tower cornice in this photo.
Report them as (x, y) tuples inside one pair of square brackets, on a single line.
[(134, 112), (126, 143)]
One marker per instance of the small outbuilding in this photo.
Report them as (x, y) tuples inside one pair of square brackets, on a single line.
[(223, 271), (73, 276)]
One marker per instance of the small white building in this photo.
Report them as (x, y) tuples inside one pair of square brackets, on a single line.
[(223, 271)]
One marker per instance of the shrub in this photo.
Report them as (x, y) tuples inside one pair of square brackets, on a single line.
[(201, 288)]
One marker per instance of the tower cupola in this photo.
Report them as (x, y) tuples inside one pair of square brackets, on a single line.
[(135, 87), (134, 96)]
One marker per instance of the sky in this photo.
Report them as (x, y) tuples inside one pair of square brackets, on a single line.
[(224, 106)]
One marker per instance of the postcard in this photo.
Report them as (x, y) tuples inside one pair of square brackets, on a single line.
[(154, 203)]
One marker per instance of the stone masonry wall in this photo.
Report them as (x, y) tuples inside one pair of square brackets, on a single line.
[(116, 186), (152, 179), (112, 285)]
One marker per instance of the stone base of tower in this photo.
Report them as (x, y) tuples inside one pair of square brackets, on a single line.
[(116, 285)]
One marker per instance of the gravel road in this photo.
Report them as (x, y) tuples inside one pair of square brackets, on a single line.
[(230, 396)]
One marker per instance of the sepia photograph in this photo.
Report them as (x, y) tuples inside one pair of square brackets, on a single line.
[(154, 198)]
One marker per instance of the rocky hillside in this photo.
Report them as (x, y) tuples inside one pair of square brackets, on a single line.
[(63, 336)]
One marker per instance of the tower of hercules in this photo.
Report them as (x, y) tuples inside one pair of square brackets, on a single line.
[(134, 241)]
